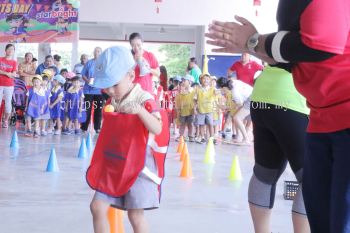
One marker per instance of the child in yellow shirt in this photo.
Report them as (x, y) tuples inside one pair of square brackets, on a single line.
[(205, 96), (219, 106), (184, 105)]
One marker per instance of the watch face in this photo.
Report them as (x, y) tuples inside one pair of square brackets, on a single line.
[(253, 41)]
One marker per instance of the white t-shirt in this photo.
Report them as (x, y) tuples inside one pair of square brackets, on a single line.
[(240, 91)]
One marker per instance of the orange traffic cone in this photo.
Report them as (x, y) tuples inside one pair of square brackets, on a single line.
[(184, 152), (115, 218), (186, 171), (181, 145)]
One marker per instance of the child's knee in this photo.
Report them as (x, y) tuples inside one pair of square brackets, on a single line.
[(98, 208), (135, 216)]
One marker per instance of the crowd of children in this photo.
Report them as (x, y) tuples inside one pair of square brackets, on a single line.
[(54, 105), (208, 108), (199, 109)]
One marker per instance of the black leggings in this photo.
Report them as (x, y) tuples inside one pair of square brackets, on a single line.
[(279, 136), (97, 101)]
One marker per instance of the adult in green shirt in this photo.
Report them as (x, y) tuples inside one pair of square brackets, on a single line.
[(194, 69), (280, 118)]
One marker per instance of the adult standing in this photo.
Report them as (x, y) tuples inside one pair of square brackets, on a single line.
[(146, 63), (57, 62), (280, 118), (48, 63), (163, 78), (245, 69), (78, 68), (8, 68), (317, 51), (26, 69), (93, 96), (194, 70)]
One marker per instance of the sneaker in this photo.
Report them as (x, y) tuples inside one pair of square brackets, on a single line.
[(5, 124), (191, 139), (66, 132), (49, 131), (234, 136), (43, 133), (77, 131), (57, 132), (97, 130), (223, 135), (203, 141), (177, 139), (198, 140)]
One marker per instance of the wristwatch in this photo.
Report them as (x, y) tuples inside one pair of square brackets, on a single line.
[(252, 42)]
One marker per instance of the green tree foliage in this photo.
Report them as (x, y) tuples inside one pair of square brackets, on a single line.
[(176, 58)]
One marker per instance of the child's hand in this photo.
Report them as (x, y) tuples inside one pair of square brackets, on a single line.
[(10, 75)]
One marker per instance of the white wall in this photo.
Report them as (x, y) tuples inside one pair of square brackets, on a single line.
[(178, 12), (117, 31), (182, 12)]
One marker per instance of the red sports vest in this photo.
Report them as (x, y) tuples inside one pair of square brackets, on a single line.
[(120, 152)]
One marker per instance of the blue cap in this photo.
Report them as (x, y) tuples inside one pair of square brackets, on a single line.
[(178, 78), (188, 77), (112, 66), (59, 78)]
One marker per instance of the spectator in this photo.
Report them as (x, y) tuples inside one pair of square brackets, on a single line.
[(194, 70), (163, 78), (245, 69), (48, 63), (147, 64), (57, 61), (93, 96), (26, 69), (8, 68), (78, 68)]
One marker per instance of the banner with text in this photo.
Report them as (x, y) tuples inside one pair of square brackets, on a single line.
[(33, 21)]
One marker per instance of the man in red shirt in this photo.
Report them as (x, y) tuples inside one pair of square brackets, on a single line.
[(8, 68), (146, 63), (245, 69), (312, 42)]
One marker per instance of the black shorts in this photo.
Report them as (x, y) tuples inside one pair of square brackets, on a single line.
[(279, 136)]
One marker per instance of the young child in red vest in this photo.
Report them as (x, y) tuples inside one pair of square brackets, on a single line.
[(128, 162)]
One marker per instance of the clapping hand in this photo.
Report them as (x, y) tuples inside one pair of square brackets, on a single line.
[(231, 37)]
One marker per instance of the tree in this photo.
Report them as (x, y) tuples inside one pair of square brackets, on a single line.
[(176, 60)]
